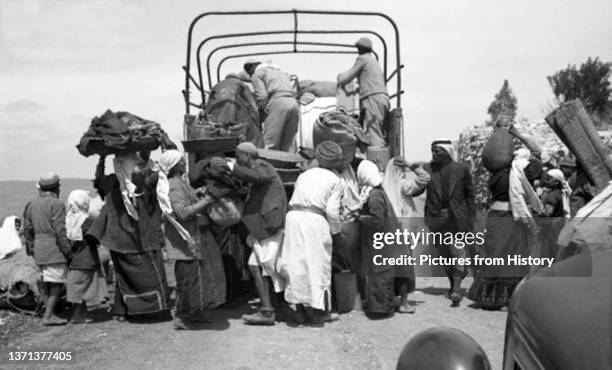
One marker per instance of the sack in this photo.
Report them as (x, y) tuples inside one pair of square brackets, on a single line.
[(226, 211), (339, 127), (499, 150), (320, 89)]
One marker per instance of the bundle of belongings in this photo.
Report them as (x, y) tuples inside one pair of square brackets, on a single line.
[(210, 176), (19, 275), (121, 132), (231, 110), (342, 128)]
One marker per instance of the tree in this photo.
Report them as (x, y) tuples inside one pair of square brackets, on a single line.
[(590, 83), (503, 108)]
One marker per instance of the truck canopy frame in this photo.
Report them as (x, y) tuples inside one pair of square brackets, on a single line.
[(264, 48)]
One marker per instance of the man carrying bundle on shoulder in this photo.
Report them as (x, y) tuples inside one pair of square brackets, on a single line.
[(264, 216)]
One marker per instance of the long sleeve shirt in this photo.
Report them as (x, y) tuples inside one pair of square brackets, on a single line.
[(45, 229), (322, 189), (268, 83), (416, 183), (369, 75)]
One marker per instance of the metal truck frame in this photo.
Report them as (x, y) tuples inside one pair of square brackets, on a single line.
[(199, 70)]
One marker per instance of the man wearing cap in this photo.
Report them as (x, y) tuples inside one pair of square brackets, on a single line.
[(313, 217), (374, 101), (275, 95), (45, 233), (264, 216), (449, 207)]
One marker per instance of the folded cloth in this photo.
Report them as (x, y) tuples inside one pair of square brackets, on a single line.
[(55, 273)]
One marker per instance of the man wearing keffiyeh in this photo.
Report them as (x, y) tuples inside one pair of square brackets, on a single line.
[(449, 207)]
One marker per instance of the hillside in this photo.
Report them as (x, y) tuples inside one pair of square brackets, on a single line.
[(15, 194)]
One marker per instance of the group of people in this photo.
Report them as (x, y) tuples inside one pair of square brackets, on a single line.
[(152, 213), (275, 97)]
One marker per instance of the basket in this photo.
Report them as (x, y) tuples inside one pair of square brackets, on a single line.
[(196, 129)]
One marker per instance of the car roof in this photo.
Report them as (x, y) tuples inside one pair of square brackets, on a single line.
[(564, 312)]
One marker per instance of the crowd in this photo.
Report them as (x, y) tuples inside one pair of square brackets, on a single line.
[(153, 213)]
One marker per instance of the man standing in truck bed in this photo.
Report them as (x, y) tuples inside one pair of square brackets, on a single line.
[(275, 95), (373, 98)]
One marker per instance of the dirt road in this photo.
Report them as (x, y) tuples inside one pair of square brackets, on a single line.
[(353, 342)]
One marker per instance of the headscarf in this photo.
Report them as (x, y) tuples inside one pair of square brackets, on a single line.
[(368, 177), (329, 155), (168, 160), (400, 183), (9, 237), (125, 165), (445, 144), (77, 211), (566, 190), (521, 193)]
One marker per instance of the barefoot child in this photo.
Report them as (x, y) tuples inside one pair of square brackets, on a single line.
[(45, 234)]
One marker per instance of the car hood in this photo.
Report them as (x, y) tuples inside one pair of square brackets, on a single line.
[(564, 312)]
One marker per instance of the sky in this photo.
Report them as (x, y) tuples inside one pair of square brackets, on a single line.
[(62, 62)]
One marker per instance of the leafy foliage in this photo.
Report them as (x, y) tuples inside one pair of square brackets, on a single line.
[(503, 108), (590, 83)]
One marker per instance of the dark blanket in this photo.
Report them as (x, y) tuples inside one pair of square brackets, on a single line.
[(200, 284), (114, 133), (233, 105), (142, 287), (382, 282), (216, 178)]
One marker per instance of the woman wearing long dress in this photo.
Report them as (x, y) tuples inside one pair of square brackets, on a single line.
[(130, 226), (510, 222), (200, 279)]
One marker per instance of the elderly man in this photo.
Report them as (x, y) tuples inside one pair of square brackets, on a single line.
[(314, 216), (449, 207), (264, 217), (45, 234), (374, 101), (275, 95)]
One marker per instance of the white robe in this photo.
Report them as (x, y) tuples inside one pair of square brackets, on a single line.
[(305, 259)]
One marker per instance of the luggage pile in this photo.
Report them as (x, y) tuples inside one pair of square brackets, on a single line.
[(121, 132)]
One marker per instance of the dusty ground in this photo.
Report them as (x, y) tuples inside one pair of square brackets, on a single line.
[(353, 342)]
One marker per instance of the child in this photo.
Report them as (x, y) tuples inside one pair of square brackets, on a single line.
[(84, 287), (45, 236)]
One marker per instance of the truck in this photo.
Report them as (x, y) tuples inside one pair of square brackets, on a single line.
[(207, 53)]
